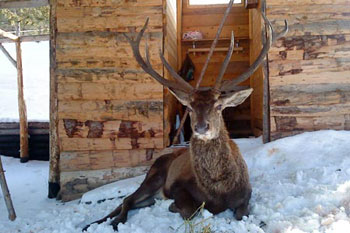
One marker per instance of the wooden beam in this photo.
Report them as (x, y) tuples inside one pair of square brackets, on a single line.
[(54, 174), (22, 109), (8, 35), (27, 38), (179, 32), (23, 3), (8, 55), (250, 4), (5, 191)]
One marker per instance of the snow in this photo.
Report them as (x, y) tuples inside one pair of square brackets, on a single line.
[(35, 58), (300, 184)]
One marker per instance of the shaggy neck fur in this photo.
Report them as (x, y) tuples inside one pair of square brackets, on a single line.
[(213, 163)]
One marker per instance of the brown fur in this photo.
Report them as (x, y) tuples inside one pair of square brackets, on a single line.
[(211, 170)]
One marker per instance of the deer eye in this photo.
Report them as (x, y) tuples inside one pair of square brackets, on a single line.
[(219, 107)]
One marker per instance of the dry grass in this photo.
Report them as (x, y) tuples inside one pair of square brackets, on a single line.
[(193, 226)]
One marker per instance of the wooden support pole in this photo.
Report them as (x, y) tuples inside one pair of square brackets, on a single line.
[(178, 131), (54, 175), (8, 35), (22, 109), (7, 196), (8, 55)]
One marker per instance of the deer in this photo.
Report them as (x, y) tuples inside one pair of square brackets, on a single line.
[(211, 170)]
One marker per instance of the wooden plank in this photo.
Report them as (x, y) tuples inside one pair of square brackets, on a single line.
[(111, 23), (215, 19), (23, 3), (97, 160), (111, 110), (241, 31), (109, 3), (311, 110), (319, 78), (103, 75), (113, 91), (107, 11), (9, 35), (315, 66), (27, 38), (79, 144), (313, 94), (72, 128), (75, 183), (304, 2), (54, 172)]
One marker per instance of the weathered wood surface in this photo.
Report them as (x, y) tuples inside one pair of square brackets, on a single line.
[(6, 193), (104, 101), (23, 3), (83, 171), (310, 68), (256, 80), (22, 109)]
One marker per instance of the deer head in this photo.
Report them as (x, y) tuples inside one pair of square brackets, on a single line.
[(206, 104)]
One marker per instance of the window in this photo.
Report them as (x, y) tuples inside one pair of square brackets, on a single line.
[(212, 2)]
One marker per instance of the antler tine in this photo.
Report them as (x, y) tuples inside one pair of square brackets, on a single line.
[(173, 73), (213, 45), (146, 65), (271, 38), (225, 64)]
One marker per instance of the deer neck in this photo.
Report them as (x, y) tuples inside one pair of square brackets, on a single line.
[(213, 163)]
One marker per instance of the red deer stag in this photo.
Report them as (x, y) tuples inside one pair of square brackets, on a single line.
[(212, 170)]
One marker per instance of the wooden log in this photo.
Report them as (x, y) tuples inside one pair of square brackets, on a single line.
[(54, 174), (22, 109), (75, 182), (9, 35), (27, 38), (113, 143), (7, 196), (8, 55), (23, 3)]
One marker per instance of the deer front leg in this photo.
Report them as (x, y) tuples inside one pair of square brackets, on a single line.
[(184, 203)]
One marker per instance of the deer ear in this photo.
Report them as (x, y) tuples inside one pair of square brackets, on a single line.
[(235, 98), (181, 96)]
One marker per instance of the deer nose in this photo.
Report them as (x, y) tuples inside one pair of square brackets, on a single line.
[(201, 128)]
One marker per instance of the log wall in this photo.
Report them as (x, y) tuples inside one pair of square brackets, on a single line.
[(110, 113), (310, 68)]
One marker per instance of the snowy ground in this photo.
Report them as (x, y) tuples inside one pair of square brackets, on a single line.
[(300, 184), (36, 82)]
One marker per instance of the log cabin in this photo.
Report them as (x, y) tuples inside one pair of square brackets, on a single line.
[(110, 120)]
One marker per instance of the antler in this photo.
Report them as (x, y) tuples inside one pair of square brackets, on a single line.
[(271, 38), (179, 83), (213, 45)]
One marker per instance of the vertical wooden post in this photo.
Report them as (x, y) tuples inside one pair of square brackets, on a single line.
[(22, 109), (7, 196), (54, 175)]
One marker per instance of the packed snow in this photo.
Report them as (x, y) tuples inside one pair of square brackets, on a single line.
[(300, 184), (36, 78)]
